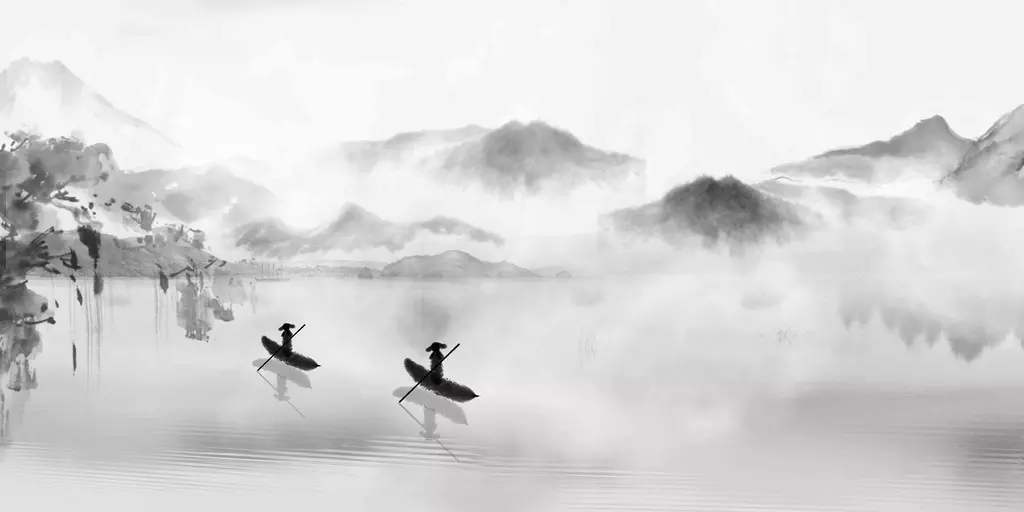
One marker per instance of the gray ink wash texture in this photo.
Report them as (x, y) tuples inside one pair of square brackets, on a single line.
[(866, 295)]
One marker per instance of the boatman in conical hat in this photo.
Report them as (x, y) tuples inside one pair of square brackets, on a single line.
[(286, 338), (436, 372)]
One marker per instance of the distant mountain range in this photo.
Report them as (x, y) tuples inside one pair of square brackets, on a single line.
[(452, 264), (988, 169), (48, 99), (514, 157), (713, 210), (354, 228), (929, 149)]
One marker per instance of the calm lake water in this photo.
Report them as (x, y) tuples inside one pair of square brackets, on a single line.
[(647, 393)]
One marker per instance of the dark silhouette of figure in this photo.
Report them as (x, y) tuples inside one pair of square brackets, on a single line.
[(436, 371), (286, 338)]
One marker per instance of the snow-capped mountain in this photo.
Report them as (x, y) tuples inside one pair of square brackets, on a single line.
[(50, 100)]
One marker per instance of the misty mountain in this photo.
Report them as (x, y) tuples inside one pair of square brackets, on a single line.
[(192, 194), (929, 149), (365, 155), (990, 171), (354, 228), (713, 210), (847, 206), (452, 264), (48, 99), (514, 157)]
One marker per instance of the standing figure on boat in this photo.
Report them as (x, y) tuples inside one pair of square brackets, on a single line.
[(286, 338), (436, 371)]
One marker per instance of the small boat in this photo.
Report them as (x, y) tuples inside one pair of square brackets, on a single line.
[(446, 388), (293, 375), (295, 359)]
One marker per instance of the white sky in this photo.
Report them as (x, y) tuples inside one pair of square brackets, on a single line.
[(695, 86)]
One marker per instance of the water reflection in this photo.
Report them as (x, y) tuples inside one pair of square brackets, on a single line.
[(234, 290), (283, 371), (5, 417), (586, 347), (283, 374), (588, 296), (432, 406), (423, 320), (970, 325), (281, 391), (448, 409), (767, 446), (21, 312), (197, 306)]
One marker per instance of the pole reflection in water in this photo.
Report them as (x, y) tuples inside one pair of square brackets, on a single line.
[(428, 433), (284, 374), (432, 406)]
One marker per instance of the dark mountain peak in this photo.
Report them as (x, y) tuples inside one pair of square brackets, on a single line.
[(515, 138), (934, 148), (926, 137), (712, 209), (706, 195), (707, 186), (936, 122), (934, 128), (519, 156), (515, 157)]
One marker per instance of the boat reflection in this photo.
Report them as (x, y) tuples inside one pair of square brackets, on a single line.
[(283, 374), (450, 410), (432, 406), (296, 376)]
